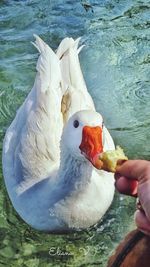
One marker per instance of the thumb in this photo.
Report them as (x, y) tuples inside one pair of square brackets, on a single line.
[(133, 169)]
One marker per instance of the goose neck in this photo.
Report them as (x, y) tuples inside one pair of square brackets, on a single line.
[(74, 173)]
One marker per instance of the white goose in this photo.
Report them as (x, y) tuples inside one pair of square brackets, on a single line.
[(52, 146)]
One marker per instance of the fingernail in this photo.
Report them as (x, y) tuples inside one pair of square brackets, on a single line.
[(121, 161)]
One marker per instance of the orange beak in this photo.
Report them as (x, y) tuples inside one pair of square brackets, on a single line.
[(91, 145)]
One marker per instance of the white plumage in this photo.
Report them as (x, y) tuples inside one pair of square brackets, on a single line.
[(55, 190)]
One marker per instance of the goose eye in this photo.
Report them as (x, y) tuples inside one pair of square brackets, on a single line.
[(76, 124), (102, 125)]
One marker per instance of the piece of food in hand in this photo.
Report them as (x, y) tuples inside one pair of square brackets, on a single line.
[(111, 157)]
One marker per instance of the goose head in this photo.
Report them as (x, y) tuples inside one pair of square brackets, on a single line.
[(83, 136)]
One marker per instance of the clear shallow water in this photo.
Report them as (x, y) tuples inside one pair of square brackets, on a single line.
[(115, 63)]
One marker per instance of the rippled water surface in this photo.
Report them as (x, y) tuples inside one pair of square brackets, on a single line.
[(115, 63)]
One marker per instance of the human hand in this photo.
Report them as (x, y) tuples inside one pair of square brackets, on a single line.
[(133, 178)]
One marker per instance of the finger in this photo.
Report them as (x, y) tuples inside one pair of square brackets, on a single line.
[(126, 186), (121, 161), (133, 169), (142, 222)]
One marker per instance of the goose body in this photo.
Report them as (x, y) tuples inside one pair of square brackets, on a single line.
[(47, 162)]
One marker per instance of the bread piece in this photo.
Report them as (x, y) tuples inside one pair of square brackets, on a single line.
[(110, 158)]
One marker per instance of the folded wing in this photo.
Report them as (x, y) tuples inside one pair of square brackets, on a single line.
[(31, 145), (76, 96)]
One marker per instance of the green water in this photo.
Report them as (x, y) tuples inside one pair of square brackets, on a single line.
[(115, 63)]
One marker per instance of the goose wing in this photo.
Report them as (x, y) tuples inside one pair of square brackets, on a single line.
[(76, 96), (31, 144)]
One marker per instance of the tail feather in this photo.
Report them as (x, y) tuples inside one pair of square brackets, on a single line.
[(49, 74), (39, 43), (70, 66), (64, 46)]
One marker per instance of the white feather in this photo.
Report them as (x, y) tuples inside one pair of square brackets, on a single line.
[(35, 182), (74, 86)]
